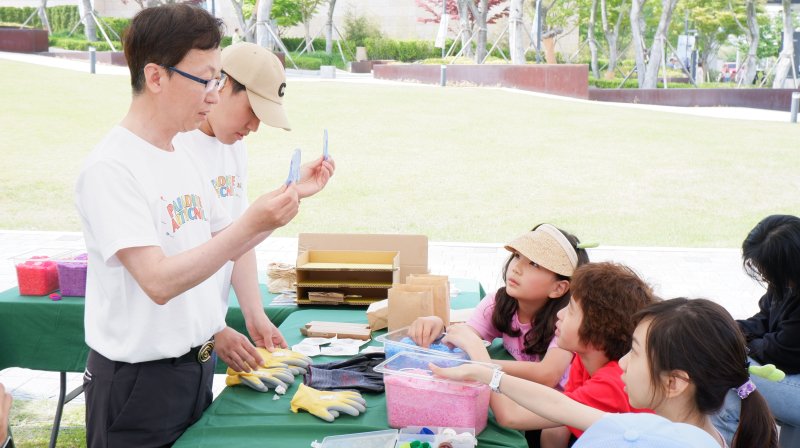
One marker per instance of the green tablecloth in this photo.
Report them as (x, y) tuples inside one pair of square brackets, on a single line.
[(240, 417), (38, 333)]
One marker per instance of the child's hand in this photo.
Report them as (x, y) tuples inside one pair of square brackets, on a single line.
[(465, 338), (464, 372), (424, 330), (314, 176)]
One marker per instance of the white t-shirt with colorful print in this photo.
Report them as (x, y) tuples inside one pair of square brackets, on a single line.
[(225, 168), (132, 194)]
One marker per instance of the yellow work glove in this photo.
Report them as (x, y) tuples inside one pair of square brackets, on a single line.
[(327, 405), (262, 379), (297, 362)]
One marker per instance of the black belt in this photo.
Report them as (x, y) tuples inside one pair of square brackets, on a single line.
[(200, 354)]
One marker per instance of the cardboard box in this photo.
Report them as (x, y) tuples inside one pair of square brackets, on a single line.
[(341, 330), (362, 277), (413, 249)]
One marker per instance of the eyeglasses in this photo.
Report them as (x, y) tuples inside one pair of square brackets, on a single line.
[(210, 84)]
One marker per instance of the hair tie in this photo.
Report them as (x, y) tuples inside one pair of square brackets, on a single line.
[(745, 389), (586, 245)]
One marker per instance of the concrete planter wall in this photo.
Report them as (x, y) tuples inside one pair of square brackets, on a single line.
[(364, 66), (23, 41), (103, 57), (773, 99), (558, 79)]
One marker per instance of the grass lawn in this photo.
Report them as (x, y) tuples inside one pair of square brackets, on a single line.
[(456, 164), (32, 421)]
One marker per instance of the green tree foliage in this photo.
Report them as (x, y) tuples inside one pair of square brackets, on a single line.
[(286, 12), (359, 28)]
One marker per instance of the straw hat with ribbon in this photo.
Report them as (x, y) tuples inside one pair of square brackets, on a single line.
[(549, 248)]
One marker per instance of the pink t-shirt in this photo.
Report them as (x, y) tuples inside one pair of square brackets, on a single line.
[(481, 321)]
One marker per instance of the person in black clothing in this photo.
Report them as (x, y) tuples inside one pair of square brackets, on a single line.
[(771, 255)]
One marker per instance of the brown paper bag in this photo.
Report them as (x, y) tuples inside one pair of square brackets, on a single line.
[(441, 293), (408, 302), (378, 315)]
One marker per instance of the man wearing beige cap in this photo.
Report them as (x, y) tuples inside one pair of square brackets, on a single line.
[(252, 92)]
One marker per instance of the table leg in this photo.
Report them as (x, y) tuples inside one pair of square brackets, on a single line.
[(63, 398)]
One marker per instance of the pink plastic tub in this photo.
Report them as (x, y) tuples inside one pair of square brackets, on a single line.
[(414, 397)]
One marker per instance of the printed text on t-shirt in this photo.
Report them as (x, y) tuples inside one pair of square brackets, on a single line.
[(185, 208)]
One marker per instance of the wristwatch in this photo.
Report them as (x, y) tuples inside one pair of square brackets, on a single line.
[(494, 384)]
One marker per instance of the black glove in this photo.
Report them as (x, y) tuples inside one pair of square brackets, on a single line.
[(354, 374)]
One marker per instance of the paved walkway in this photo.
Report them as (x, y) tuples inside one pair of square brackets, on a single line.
[(735, 113), (711, 273)]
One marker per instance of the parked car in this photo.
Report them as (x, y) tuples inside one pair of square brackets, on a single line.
[(727, 72)]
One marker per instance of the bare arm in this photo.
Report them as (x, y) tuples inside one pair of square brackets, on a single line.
[(548, 371), (162, 278), (245, 282), (511, 415), (546, 402), (5, 410)]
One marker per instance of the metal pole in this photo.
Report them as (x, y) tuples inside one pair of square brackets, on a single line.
[(795, 106), (92, 60)]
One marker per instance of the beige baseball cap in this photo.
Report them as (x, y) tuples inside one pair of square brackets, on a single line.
[(547, 247), (262, 74)]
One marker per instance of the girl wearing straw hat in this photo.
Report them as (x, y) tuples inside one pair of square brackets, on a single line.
[(523, 312)]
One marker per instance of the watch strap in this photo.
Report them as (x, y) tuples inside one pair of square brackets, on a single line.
[(494, 384)]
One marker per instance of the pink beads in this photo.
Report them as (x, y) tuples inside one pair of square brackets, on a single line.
[(414, 401)]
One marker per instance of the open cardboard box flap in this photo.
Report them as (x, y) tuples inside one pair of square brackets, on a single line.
[(413, 248)]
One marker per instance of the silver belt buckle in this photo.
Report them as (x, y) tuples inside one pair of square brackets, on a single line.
[(204, 354)]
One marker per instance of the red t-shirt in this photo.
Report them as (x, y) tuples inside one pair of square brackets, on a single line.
[(604, 390)]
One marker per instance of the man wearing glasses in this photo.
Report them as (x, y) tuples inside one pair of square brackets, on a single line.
[(156, 234), (251, 92)]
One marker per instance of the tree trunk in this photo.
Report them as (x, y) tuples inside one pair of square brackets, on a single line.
[(480, 13), (263, 36), (463, 20), (637, 28), (659, 43), (244, 26), (43, 16), (612, 35), (592, 41), (89, 27), (307, 28), (785, 63), (705, 56), (329, 28), (516, 33), (752, 35)]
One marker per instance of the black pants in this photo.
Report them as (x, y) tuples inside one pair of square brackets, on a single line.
[(147, 404)]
